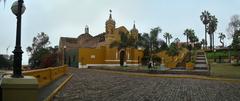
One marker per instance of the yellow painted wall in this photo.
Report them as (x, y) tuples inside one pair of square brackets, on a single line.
[(105, 55), (134, 56), (47, 75), (111, 56), (86, 55)]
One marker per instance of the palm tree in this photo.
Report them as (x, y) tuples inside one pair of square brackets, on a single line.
[(221, 37), (150, 42), (236, 43), (176, 40), (3, 1), (202, 42), (205, 18), (167, 37), (188, 33), (194, 39), (122, 45), (212, 27)]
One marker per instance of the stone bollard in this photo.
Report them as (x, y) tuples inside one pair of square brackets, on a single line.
[(19, 89)]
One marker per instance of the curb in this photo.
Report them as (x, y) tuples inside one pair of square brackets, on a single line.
[(49, 98), (171, 76)]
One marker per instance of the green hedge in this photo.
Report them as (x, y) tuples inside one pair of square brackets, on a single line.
[(223, 54)]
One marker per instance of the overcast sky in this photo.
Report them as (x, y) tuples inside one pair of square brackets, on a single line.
[(69, 17)]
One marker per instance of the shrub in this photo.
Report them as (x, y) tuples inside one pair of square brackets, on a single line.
[(173, 50)]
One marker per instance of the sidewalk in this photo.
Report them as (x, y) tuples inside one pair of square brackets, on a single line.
[(47, 91)]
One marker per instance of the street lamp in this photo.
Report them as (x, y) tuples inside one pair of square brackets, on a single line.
[(16, 8), (215, 55), (64, 54), (238, 49)]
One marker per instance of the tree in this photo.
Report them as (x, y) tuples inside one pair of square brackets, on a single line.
[(205, 18), (212, 27), (4, 62), (39, 42), (121, 45), (151, 43), (50, 59), (165, 37), (126, 41), (168, 37), (236, 43), (193, 38), (40, 54), (4, 1), (221, 37), (188, 33), (176, 40), (234, 25), (202, 42), (234, 32), (173, 50)]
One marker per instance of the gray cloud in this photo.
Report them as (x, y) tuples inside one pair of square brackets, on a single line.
[(68, 17)]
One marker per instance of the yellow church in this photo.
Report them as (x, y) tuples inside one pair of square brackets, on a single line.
[(87, 50)]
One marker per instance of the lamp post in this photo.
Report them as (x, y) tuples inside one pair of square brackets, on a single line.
[(18, 9), (214, 55), (64, 54), (238, 49)]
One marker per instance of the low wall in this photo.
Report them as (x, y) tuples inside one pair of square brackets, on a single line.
[(47, 75)]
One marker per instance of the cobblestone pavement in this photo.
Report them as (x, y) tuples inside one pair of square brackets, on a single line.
[(92, 85)]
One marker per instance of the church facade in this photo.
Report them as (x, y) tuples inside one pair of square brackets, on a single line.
[(87, 50)]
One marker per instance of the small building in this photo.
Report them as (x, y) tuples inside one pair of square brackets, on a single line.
[(87, 50)]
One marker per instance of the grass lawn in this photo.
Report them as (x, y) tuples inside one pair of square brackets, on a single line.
[(225, 71)]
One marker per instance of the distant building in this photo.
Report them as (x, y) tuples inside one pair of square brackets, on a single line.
[(5, 61), (88, 50), (6, 56)]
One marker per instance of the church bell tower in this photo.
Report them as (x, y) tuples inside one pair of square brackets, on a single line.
[(110, 27), (110, 24)]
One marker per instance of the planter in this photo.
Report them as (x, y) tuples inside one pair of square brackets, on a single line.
[(189, 66)]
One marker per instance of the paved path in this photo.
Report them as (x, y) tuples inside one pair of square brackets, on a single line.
[(47, 90), (92, 85)]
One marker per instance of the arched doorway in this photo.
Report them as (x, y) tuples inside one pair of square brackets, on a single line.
[(122, 57)]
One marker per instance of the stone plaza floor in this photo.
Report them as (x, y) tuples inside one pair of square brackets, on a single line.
[(93, 85)]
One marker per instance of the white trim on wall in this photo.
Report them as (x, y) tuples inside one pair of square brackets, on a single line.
[(87, 65), (119, 60), (132, 60), (112, 60)]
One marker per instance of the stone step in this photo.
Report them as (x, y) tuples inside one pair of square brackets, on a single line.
[(200, 61), (200, 55), (201, 66), (200, 58)]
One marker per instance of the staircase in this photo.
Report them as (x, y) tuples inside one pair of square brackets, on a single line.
[(201, 61)]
